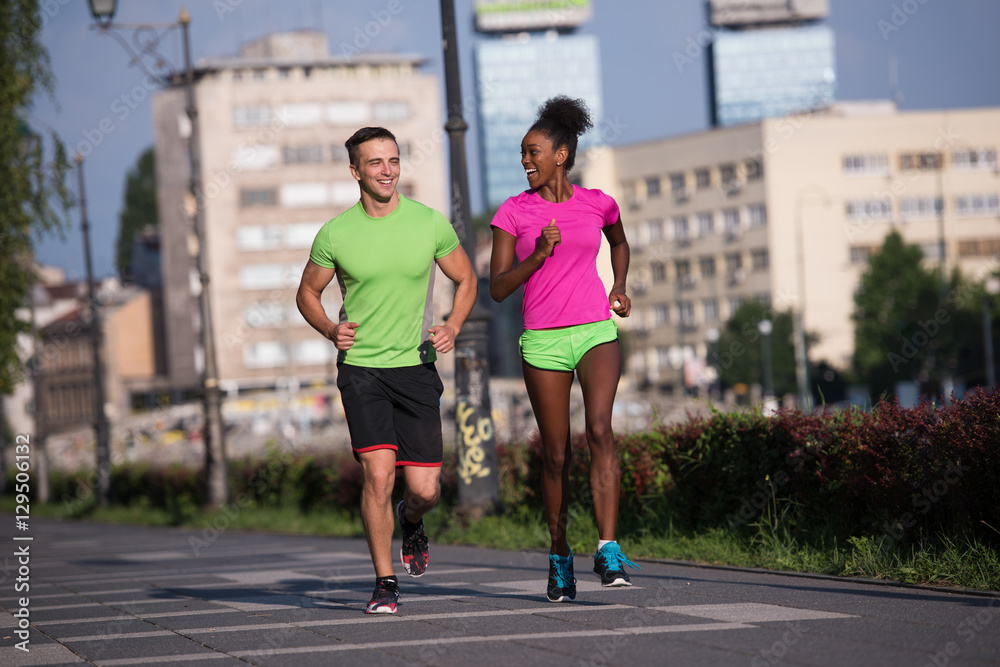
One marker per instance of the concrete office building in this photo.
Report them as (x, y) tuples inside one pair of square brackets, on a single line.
[(273, 123), (531, 54), (769, 58), (787, 211)]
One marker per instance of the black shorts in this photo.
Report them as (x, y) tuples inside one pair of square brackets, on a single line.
[(394, 408)]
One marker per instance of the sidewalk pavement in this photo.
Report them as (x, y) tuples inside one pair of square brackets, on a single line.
[(80, 593)]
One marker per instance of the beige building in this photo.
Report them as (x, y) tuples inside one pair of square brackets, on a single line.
[(62, 380), (787, 211), (273, 123)]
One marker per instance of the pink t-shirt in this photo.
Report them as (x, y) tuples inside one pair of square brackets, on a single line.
[(565, 290)]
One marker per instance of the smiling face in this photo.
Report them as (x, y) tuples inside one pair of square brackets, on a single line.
[(542, 162), (378, 168)]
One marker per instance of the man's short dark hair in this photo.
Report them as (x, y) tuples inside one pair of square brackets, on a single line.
[(363, 135)]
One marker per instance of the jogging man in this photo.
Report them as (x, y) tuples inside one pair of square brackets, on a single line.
[(383, 252)]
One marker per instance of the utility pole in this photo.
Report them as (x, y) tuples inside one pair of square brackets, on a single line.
[(100, 417), (213, 431), (214, 436), (478, 489)]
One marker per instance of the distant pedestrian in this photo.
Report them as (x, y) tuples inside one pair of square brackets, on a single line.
[(554, 229), (383, 252)]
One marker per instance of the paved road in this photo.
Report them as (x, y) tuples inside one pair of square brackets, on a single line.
[(116, 595)]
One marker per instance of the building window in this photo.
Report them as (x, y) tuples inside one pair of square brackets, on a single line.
[(681, 228), (303, 154), (389, 111), (313, 352), (338, 153), (932, 250), (869, 209), (757, 215), (983, 158), (979, 248), (860, 254), (683, 268), (678, 184), (258, 237), (734, 262), (685, 312), (266, 354), (258, 197), (264, 314), (654, 228), (284, 72), (259, 74), (763, 298), (921, 207), (710, 308), (754, 169), (735, 303), (662, 357), (261, 276), (727, 174), (251, 116), (706, 266), (661, 314), (659, 271), (731, 220), (976, 205), (702, 179), (237, 75), (706, 224), (920, 161), (759, 259), (866, 164), (653, 186)]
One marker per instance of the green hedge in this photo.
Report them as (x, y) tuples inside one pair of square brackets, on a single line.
[(900, 473)]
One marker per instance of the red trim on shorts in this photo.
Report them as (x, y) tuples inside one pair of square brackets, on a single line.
[(372, 449), (400, 464)]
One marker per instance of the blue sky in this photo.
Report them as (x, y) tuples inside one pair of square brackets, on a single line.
[(653, 71)]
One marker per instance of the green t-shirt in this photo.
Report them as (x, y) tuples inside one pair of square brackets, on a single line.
[(385, 268)]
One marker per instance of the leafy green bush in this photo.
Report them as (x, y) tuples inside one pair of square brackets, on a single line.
[(902, 473)]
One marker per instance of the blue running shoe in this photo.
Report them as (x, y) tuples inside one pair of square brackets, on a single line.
[(562, 583), (609, 565)]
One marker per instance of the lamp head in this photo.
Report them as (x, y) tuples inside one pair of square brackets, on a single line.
[(103, 11)]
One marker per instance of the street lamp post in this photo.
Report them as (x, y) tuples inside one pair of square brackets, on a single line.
[(801, 350), (765, 327), (478, 489), (991, 289), (213, 432), (713, 342), (100, 417)]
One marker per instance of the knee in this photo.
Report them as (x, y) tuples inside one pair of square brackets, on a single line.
[(380, 486), (599, 433), (554, 460), (423, 495)]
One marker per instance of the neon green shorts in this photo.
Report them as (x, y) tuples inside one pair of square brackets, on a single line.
[(562, 349)]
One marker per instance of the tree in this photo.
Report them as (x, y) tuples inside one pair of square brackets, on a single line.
[(33, 197), (139, 210), (739, 358), (904, 324)]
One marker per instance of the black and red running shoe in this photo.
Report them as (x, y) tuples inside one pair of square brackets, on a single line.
[(413, 554), (385, 599)]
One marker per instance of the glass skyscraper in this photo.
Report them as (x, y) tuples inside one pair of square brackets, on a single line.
[(774, 71), (517, 73)]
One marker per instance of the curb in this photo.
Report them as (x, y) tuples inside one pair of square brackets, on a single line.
[(893, 583)]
